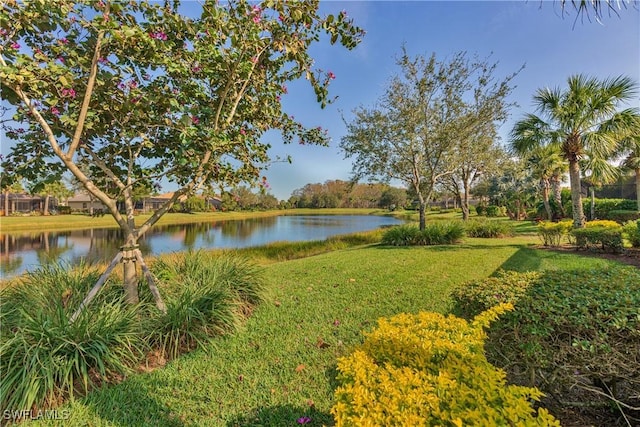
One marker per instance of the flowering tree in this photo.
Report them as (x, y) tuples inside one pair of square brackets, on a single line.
[(124, 93)]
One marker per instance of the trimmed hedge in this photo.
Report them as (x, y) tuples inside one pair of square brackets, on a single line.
[(623, 215), (631, 230), (604, 233), (427, 369), (573, 334)]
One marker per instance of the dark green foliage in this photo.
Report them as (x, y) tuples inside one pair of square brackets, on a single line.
[(632, 230), (204, 296), (43, 357), (437, 233), (573, 334), (621, 215), (475, 297), (488, 229), (608, 239), (603, 207), (481, 210), (494, 211)]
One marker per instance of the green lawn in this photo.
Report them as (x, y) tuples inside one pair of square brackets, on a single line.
[(281, 365)]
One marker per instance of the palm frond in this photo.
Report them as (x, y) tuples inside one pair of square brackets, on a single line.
[(529, 133)]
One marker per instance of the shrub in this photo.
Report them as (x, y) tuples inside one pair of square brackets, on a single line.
[(402, 235), (609, 238), (603, 207), (437, 233), (43, 357), (64, 210), (428, 369), (552, 233), (505, 287), (488, 229), (631, 230), (494, 211), (623, 215), (205, 297), (574, 334), (481, 210)]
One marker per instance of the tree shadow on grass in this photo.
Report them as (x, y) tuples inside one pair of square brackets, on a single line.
[(525, 259), (283, 415)]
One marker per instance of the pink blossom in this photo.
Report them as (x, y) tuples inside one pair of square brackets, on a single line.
[(303, 420), (133, 84), (196, 69), (284, 89), (336, 322), (61, 59), (195, 120), (278, 98), (69, 92), (103, 60), (160, 35), (15, 45), (3, 32), (63, 41), (135, 100), (242, 131), (54, 111), (281, 18), (331, 75), (256, 19), (254, 59), (101, 3)]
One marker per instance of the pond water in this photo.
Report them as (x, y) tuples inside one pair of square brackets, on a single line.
[(21, 252)]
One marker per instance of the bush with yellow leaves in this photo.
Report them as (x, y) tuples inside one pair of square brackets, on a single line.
[(426, 370)]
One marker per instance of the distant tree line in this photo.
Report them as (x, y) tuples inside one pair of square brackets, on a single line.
[(346, 194)]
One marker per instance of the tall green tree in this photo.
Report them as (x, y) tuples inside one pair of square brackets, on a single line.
[(125, 93), (583, 117), (631, 150), (55, 189), (411, 135)]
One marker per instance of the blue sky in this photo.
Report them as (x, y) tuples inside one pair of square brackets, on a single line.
[(532, 33)]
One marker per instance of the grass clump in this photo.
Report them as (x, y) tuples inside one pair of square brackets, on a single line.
[(43, 357), (206, 296), (488, 229), (436, 233), (427, 369)]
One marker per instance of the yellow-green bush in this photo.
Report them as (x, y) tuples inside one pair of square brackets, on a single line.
[(552, 233), (426, 370)]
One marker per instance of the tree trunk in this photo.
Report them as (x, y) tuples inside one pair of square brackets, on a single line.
[(592, 193), (576, 197), (545, 198), (557, 194), (129, 271), (45, 210), (464, 201), (422, 208)]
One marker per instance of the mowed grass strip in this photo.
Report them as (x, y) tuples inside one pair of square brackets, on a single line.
[(281, 365)]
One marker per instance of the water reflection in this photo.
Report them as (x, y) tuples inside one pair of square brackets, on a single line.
[(25, 251)]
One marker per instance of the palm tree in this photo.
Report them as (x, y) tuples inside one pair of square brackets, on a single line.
[(599, 172), (548, 166), (583, 117)]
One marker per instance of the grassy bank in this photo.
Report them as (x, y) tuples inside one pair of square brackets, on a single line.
[(77, 221), (281, 365)]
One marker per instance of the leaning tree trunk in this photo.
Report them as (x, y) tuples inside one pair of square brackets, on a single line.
[(576, 197), (592, 193), (422, 207)]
